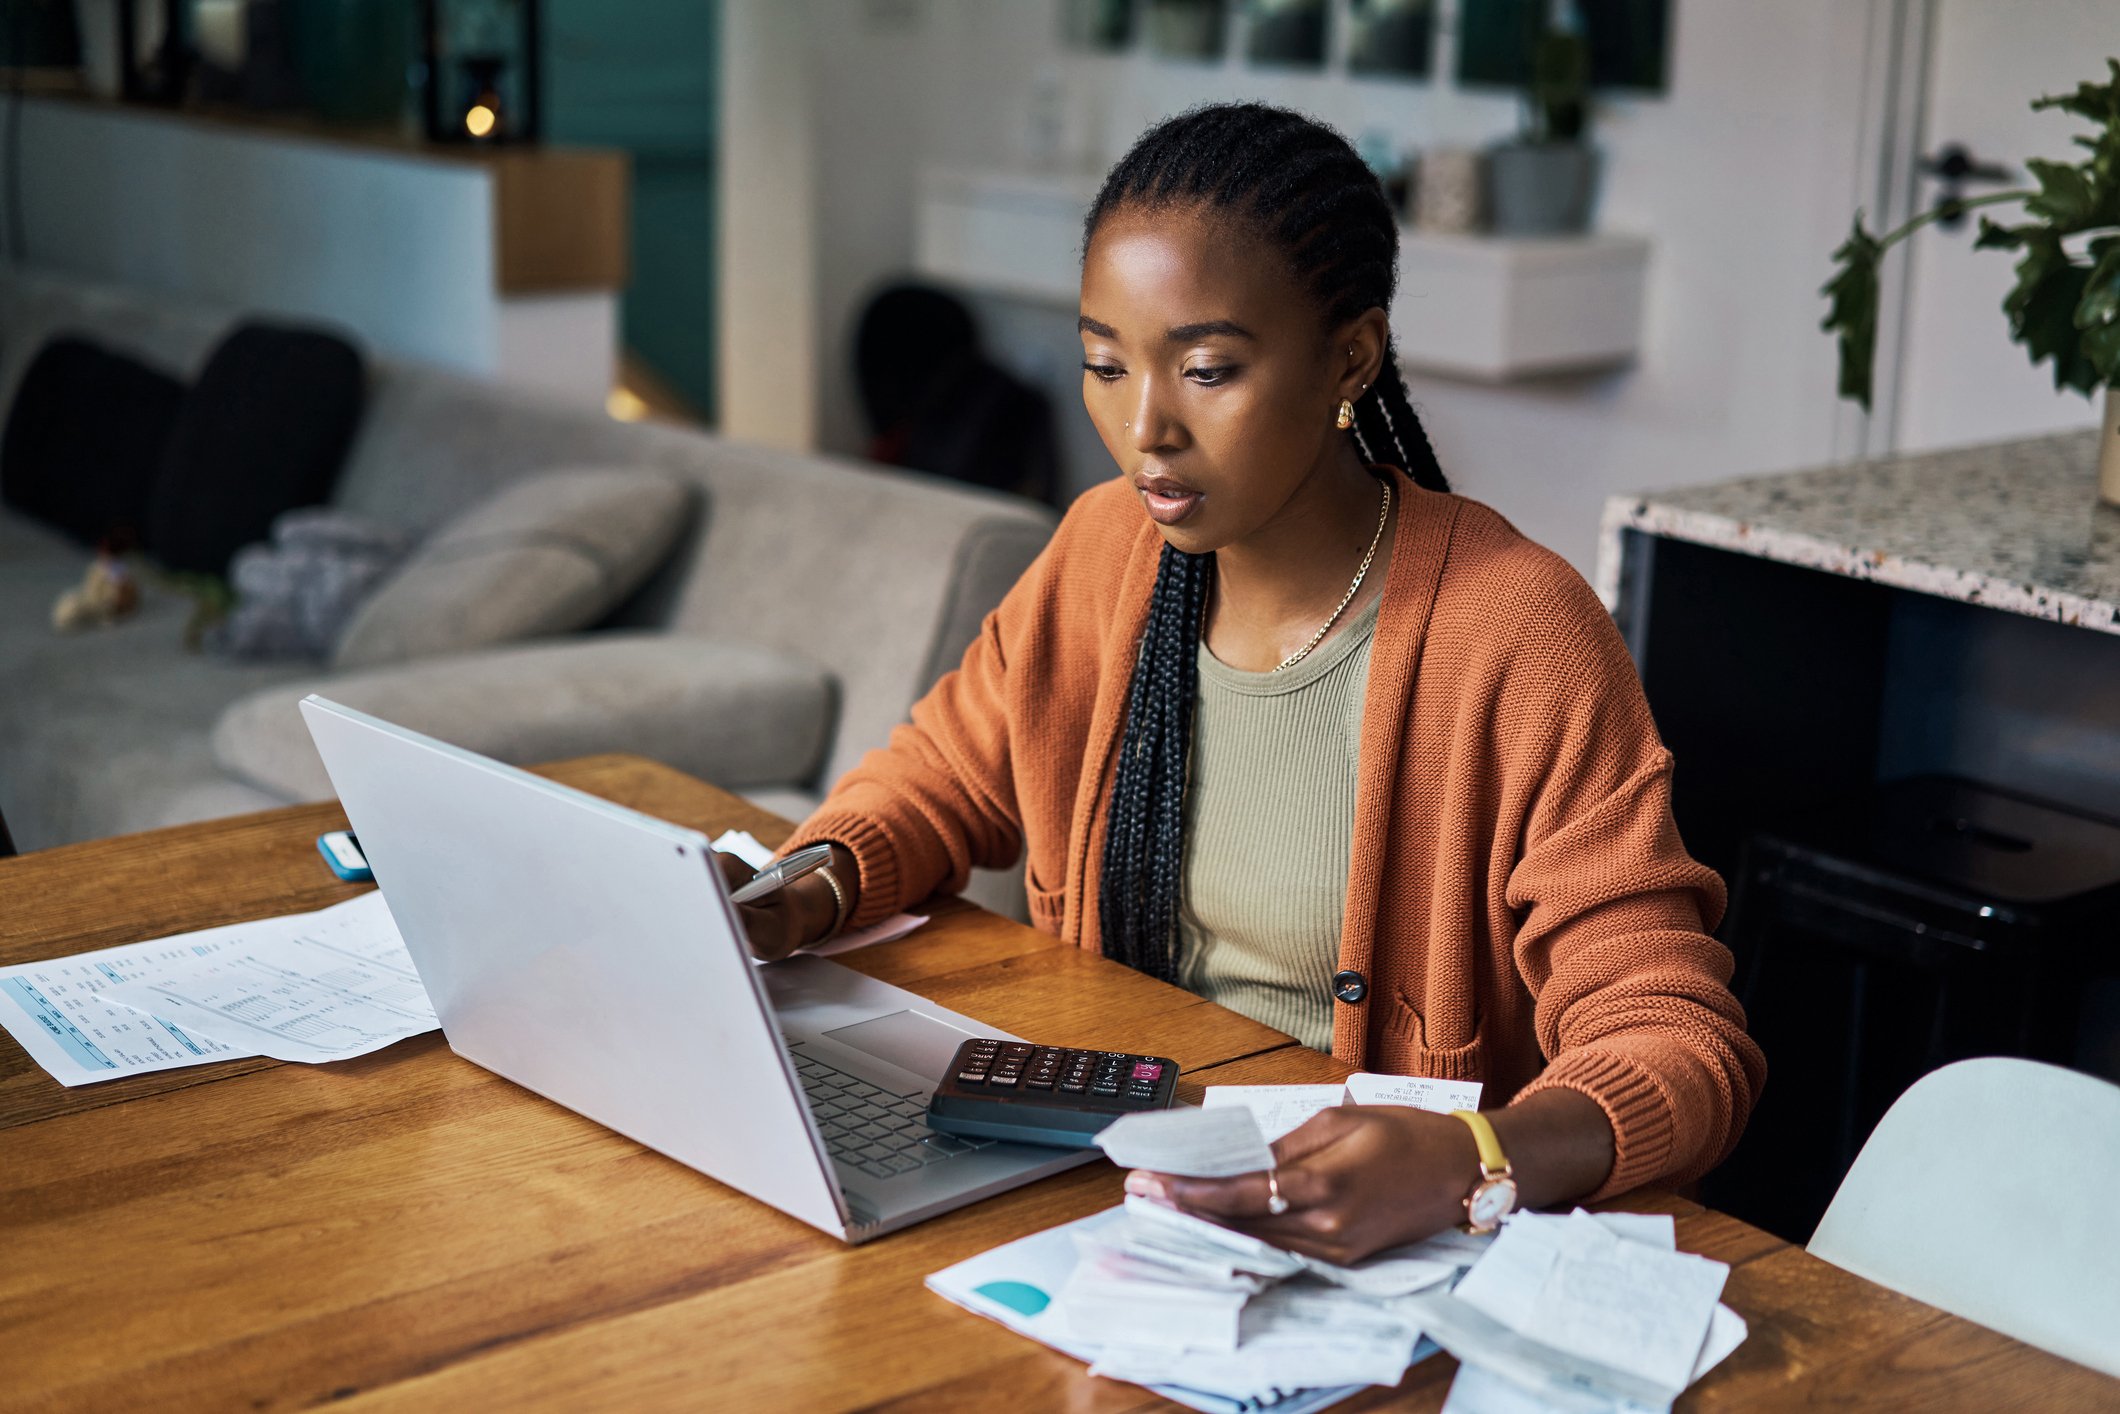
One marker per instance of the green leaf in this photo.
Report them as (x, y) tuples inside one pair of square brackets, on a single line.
[(1996, 236), (2065, 196), (2101, 349), (2098, 102), (2042, 312), (2100, 304), (1851, 311)]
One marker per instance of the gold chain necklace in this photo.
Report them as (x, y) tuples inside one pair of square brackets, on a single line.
[(1375, 540)]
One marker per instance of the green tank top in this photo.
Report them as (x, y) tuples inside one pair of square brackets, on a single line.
[(1269, 815)]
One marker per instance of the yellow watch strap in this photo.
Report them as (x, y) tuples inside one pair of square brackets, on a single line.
[(1491, 1156)]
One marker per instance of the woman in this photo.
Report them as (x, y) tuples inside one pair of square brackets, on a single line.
[(1277, 716)]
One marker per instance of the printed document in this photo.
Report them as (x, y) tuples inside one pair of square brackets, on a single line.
[(1287, 1359), (1282, 1109), (1279, 1109), (1422, 1093), (315, 987), (1586, 1312), (67, 1015)]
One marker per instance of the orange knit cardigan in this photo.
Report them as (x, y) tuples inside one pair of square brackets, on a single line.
[(1518, 902)]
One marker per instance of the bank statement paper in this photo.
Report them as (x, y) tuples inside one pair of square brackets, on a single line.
[(67, 1015)]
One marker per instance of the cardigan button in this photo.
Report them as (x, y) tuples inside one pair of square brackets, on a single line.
[(1350, 986)]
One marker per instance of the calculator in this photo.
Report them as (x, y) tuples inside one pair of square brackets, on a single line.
[(1046, 1094)]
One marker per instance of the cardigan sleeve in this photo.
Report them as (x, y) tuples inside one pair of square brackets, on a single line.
[(939, 800), (1632, 1005)]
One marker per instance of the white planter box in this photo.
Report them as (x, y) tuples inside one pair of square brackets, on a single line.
[(1497, 308)]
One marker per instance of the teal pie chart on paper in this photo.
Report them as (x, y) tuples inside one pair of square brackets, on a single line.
[(1019, 1296)]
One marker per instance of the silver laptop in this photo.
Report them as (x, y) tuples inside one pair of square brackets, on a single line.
[(590, 953)]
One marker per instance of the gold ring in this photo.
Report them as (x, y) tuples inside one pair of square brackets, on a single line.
[(1275, 1203)]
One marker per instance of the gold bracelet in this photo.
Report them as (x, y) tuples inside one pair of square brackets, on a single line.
[(839, 894)]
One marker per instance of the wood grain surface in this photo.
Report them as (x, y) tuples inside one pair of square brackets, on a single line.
[(408, 1231)]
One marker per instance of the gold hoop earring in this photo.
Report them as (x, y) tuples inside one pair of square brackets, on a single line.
[(1346, 418)]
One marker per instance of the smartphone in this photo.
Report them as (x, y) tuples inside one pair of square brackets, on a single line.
[(343, 853), (783, 872)]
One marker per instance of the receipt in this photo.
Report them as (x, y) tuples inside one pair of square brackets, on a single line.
[(1216, 1143), (1278, 1108), (1422, 1093), (1151, 1222), (1574, 1287)]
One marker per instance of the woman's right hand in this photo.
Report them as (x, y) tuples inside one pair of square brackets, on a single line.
[(794, 917)]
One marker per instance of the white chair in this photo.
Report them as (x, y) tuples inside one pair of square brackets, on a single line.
[(1988, 1190)]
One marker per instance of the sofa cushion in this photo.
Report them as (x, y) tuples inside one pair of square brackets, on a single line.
[(263, 430), (547, 555), (295, 595), (735, 714), (85, 438)]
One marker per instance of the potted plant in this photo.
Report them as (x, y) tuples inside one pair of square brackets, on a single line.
[(2065, 306), (1545, 183)]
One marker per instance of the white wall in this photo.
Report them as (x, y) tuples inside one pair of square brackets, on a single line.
[(767, 221), (1744, 174), (397, 248)]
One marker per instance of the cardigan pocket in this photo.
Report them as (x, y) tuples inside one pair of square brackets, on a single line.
[(1048, 907), (1398, 1046)]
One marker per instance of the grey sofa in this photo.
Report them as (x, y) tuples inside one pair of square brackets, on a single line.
[(810, 602)]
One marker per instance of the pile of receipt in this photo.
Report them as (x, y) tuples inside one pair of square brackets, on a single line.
[(1170, 1299), (1587, 1313)]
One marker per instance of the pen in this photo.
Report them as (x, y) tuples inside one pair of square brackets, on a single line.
[(783, 872)]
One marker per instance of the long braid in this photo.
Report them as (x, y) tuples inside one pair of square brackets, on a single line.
[(1297, 184), (1384, 418), (1137, 905)]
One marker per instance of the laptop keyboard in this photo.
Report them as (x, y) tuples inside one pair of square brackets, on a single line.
[(869, 1128)]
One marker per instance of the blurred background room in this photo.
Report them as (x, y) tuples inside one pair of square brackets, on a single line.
[(557, 376)]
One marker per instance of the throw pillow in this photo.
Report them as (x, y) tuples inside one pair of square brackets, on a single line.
[(295, 595), (263, 431), (547, 555), (84, 439)]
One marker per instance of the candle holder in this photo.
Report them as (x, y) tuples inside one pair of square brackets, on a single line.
[(481, 61)]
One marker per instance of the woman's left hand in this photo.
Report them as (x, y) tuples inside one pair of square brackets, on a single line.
[(1357, 1179)]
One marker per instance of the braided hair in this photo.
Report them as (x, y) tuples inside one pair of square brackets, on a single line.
[(1299, 186)]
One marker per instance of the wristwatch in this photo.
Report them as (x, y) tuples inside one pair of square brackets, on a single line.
[(1494, 1196)]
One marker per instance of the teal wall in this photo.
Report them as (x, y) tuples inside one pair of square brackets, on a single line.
[(641, 75)]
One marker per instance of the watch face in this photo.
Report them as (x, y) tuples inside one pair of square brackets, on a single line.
[(1491, 1203)]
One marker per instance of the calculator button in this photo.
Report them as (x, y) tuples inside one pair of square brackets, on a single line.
[(1072, 1087), (1038, 1083), (1145, 1071), (972, 1077), (1005, 1081)]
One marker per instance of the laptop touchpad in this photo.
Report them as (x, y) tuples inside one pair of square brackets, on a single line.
[(908, 1039)]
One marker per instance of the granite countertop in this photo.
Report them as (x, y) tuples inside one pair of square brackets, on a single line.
[(2016, 526)]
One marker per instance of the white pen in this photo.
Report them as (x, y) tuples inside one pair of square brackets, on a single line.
[(783, 872)]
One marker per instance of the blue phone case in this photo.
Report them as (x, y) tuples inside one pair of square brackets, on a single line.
[(362, 875)]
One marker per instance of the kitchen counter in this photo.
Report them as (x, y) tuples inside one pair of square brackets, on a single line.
[(2015, 526)]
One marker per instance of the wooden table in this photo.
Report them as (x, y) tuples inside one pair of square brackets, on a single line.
[(407, 1231)]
